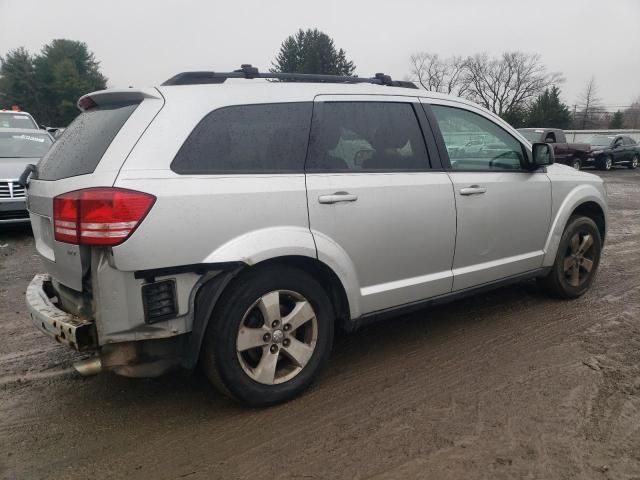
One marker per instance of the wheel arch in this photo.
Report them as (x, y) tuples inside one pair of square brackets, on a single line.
[(594, 212), (208, 294), (583, 200)]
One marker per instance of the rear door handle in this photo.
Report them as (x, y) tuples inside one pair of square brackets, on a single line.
[(473, 190), (337, 197)]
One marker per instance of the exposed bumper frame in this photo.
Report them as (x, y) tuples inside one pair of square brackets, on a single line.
[(75, 332)]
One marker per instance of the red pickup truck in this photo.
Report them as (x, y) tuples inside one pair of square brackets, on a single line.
[(573, 154)]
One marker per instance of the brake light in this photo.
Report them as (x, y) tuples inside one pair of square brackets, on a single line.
[(99, 216), (86, 103)]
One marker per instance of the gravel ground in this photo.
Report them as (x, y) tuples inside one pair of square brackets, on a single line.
[(509, 384)]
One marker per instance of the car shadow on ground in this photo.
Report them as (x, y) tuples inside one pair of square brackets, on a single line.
[(15, 232), (188, 393)]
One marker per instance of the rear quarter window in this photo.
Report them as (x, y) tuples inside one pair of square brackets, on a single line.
[(83, 143), (260, 138)]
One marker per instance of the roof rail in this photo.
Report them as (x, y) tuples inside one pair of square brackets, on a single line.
[(248, 72)]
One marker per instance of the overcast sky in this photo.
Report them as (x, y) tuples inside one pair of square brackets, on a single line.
[(144, 42)]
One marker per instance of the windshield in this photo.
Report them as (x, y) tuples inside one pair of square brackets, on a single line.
[(22, 145), (16, 120), (531, 135), (602, 140)]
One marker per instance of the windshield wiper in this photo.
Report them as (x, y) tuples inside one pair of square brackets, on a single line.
[(30, 170)]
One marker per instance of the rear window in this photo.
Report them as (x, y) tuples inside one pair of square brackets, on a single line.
[(81, 146), (262, 138), (16, 120)]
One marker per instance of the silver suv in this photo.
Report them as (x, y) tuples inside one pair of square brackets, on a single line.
[(233, 223)]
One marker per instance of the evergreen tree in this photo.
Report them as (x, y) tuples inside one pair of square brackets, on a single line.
[(48, 85), (311, 51), (548, 111), (617, 121), (65, 70), (17, 81)]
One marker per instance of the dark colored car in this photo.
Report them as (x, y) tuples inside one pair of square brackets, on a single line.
[(573, 154), (610, 150)]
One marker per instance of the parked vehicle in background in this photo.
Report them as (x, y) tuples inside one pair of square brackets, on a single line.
[(55, 132), (17, 119), (610, 150), (573, 154), (236, 224), (18, 148)]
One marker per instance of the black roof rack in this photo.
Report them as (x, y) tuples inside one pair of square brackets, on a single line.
[(249, 72)]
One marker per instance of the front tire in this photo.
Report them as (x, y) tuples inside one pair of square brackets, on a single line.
[(577, 259), (269, 336), (605, 163), (634, 162)]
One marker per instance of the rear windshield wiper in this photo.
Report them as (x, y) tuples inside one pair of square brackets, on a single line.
[(30, 170)]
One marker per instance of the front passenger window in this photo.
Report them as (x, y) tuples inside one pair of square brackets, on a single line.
[(499, 150)]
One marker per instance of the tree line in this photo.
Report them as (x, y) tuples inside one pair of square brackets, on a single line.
[(516, 86), (49, 83)]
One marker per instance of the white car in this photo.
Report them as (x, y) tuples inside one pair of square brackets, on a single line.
[(236, 223), (17, 119), (18, 148)]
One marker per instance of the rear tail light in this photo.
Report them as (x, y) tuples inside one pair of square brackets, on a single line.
[(99, 216)]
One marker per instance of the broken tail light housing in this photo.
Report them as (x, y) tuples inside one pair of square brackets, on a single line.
[(102, 216)]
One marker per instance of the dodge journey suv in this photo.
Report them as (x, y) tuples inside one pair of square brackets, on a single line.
[(234, 223)]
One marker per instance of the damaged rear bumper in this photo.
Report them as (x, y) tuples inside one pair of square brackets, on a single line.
[(75, 332)]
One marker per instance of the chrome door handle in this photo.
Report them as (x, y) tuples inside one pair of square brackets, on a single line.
[(472, 190), (337, 197)]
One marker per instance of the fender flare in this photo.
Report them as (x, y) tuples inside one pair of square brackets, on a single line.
[(269, 243), (254, 248), (579, 195)]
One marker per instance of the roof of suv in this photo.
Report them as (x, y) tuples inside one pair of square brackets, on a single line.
[(256, 91)]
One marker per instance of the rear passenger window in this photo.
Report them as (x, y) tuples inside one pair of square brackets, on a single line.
[(265, 138), (366, 136)]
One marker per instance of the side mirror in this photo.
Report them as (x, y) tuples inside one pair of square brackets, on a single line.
[(541, 155)]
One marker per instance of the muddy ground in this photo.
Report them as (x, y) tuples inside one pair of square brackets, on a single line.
[(508, 385)]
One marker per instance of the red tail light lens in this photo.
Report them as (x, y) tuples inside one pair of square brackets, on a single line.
[(99, 216)]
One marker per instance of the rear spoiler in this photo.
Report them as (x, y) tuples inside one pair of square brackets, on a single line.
[(115, 95)]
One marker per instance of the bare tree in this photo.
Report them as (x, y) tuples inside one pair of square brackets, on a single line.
[(506, 84), (443, 75), (632, 115), (589, 105)]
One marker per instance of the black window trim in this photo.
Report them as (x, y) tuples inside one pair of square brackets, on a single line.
[(444, 154), (433, 159), (234, 172)]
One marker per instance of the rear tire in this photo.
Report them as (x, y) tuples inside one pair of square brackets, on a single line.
[(576, 261), (269, 336), (633, 164), (576, 163)]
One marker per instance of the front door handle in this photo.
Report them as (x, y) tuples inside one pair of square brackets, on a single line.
[(337, 197), (473, 190)]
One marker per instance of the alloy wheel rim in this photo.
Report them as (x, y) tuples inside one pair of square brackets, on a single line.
[(608, 164), (277, 337), (576, 164), (634, 162), (579, 259)]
